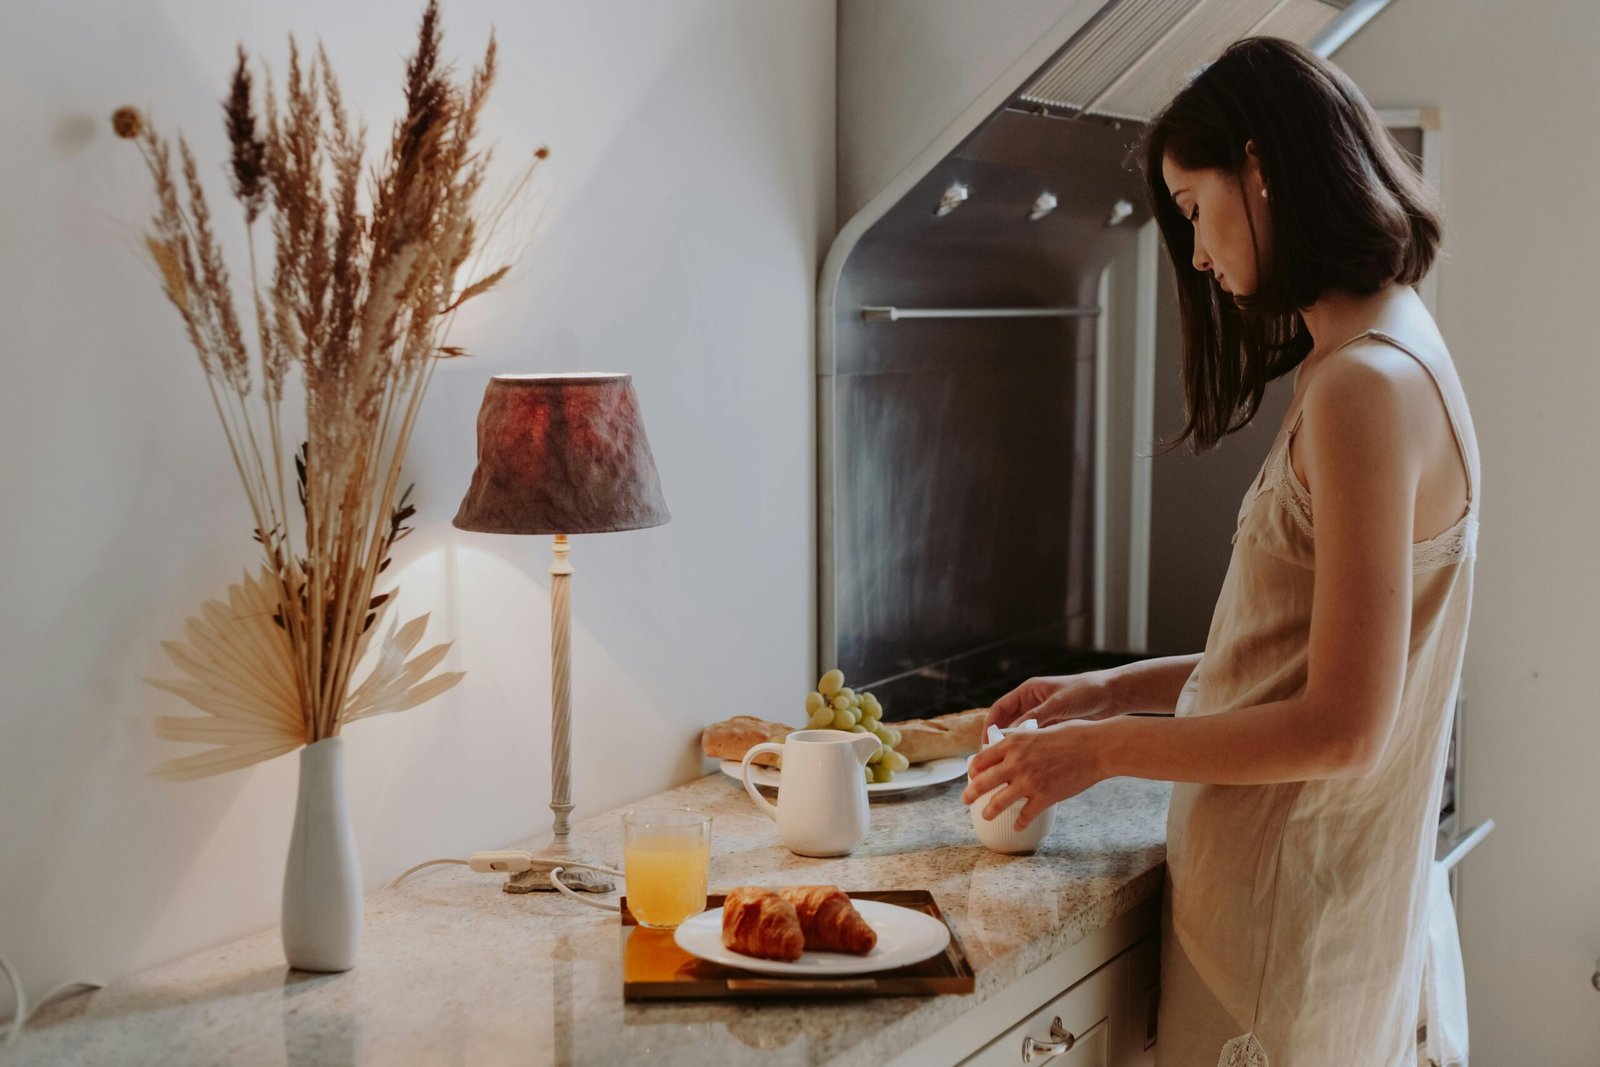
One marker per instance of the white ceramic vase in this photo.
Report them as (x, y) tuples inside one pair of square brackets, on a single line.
[(322, 880)]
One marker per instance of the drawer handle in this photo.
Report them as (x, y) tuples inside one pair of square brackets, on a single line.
[(1061, 1041)]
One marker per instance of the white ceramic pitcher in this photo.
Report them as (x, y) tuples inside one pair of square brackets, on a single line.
[(822, 793)]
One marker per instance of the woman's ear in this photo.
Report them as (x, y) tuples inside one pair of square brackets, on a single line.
[(1252, 166)]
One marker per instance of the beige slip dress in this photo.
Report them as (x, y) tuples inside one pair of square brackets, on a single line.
[(1294, 915)]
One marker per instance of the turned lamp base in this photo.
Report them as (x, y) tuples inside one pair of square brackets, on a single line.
[(553, 854), (558, 848)]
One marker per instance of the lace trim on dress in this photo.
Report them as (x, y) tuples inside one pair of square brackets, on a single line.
[(1243, 1051), (1299, 510), (1457, 543)]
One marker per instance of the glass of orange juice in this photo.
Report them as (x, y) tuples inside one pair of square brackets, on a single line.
[(666, 855)]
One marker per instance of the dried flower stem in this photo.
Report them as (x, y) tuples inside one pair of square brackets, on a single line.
[(360, 301)]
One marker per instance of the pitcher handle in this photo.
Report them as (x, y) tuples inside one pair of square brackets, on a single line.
[(865, 746), (766, 806)]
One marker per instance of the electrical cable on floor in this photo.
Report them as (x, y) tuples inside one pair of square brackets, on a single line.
[(20, 1019)]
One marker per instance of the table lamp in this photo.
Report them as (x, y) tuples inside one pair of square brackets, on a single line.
[(561, 454)]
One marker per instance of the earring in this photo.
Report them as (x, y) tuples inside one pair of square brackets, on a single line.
[(1263, 190)]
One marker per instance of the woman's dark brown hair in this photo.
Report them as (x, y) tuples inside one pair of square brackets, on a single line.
[(1348, 212)]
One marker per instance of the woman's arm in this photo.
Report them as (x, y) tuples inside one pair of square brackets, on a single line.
[(1149, 685), (1365, 466), (1146, 685)]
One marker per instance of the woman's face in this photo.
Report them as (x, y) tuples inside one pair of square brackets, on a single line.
[(1220, 207)]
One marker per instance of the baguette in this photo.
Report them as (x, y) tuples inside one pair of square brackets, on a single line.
[(959, 733), (732, 738), (956, 734)]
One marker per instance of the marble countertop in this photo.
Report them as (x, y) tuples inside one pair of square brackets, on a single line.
[(453, 970)]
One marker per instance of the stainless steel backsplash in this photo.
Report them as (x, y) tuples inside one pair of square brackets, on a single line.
[(957, 453)]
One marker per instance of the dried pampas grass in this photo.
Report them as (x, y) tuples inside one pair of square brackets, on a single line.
[(359, 295)]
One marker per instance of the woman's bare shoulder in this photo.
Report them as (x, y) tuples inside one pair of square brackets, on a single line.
[(1366, 379), (1373, 376), (1370, 408)]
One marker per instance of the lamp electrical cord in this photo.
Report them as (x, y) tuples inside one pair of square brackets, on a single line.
[(20, 1019), (430, 863)]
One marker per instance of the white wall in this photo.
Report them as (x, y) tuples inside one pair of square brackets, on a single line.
[(682, 217), (908, 69), (1517, 84)]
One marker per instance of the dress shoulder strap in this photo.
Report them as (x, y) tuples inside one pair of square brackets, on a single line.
[(1300, 409), (1469, 457)]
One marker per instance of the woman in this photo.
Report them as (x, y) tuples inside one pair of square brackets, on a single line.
[(1309, 739)]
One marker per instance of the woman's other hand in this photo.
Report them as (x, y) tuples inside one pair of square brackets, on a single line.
[(1045, 766), (1052, 700)]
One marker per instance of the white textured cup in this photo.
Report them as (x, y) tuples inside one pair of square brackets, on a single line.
[(1000, 833)]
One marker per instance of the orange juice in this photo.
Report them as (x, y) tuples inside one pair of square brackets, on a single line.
[(650, 955), (667, 876)]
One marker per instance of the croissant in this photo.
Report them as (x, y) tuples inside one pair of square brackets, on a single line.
[(759, 922), (828, 920)]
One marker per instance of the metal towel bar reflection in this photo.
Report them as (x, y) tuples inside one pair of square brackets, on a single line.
[(1467, 843), (895, 314)]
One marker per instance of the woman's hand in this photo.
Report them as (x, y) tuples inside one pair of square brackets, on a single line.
[(1044, 765), (1052, 700)]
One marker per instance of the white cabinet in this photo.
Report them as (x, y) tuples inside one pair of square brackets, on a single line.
[(1092, 1005), (1105, 1020), (1073, 1029)]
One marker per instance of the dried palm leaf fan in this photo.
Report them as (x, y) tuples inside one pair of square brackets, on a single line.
[(356, 290)]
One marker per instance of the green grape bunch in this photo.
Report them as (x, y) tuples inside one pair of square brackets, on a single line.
[(834, 705)]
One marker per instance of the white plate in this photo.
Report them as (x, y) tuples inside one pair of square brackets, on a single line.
[(904, 937), (916, 776)]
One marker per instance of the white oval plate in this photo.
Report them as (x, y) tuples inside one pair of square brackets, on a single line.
[(904, 937), (916, 776)]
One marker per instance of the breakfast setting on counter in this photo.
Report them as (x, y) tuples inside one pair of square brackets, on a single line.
[(825, 774), (1056, 649)]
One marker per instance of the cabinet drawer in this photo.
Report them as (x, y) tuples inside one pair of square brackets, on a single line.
[(1082, 1018)]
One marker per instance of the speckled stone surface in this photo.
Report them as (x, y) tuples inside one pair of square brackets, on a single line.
[(453, 971)]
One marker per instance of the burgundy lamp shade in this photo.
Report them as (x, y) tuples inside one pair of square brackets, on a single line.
[(562, 454)]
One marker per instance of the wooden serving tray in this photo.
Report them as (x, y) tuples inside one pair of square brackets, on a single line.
[(655, 968)]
